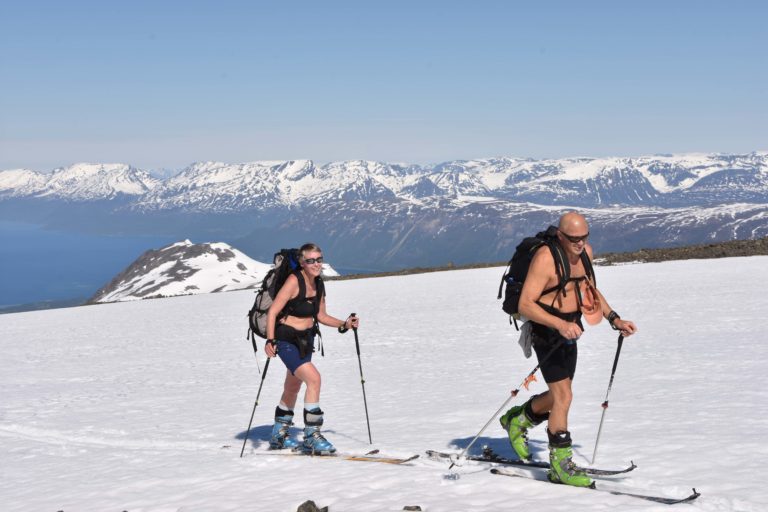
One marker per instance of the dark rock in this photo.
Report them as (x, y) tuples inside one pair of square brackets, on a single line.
[(310, 506), (733, 248)]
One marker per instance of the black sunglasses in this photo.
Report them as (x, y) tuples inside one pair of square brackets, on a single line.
[(311, 261), (575, 239)]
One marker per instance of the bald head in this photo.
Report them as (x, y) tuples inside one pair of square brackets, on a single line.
[(574, 224)]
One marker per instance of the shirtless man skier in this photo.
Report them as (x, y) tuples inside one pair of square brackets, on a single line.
[(555, 315)]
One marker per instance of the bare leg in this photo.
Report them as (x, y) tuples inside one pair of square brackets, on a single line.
[(559, 396), (290, 390), (542, 404), (308, 374)]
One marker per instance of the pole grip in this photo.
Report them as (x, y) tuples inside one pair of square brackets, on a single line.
[(618, 351), (354, 330)]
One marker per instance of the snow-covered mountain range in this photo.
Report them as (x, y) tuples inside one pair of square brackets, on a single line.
[(683, 180), (185, 268), (79, 182), (376, 216)]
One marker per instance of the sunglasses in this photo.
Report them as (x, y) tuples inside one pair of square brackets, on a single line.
[(312, 261), (575, 239)]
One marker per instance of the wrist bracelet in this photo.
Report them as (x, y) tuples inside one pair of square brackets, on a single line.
[(612, 317)]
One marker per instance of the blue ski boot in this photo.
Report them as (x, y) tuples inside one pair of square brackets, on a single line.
[(314, 442), (280, 439)]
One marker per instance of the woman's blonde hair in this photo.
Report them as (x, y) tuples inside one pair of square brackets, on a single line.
[(308, 247)]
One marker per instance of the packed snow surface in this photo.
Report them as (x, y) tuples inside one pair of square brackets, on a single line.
[(143, 406)]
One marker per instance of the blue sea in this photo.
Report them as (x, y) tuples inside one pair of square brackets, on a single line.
[(40, 265)]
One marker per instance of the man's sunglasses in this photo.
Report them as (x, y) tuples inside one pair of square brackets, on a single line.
[(312, 261), (575, 239)]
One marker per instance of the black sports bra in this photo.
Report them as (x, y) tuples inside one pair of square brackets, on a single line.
[(302, 306)]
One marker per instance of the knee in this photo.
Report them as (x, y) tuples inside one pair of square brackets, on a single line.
[(314, 381)]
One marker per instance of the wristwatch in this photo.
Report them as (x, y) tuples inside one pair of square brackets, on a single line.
[(612, 317)]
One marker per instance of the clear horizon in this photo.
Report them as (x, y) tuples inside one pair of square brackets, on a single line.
[(159, 87)]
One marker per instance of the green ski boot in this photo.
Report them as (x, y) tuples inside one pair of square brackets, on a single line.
[(516, 422), (562, 470)]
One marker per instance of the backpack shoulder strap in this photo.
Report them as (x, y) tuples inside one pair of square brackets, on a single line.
[(589, 271), (562, 268), (302, 285)]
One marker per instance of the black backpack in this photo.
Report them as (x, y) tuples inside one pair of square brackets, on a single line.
[(285, 263), (517, 269)]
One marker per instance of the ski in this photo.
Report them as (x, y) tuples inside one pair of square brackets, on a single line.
[(368, 457), (491, 457), (656, 499)]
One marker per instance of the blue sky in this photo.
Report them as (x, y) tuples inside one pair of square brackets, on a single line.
[(163, 84)]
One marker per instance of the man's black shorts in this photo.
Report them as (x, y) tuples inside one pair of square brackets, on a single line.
[(561, 364)]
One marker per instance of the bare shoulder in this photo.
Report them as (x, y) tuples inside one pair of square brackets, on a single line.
[(291, 285), (542, 260)]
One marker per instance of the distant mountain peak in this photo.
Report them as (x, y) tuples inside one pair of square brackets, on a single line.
[(186, 268)]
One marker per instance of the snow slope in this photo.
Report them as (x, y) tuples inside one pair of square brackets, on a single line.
[(142, 406)]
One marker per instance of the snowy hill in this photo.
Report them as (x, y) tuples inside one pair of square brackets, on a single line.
[(185, 268), (144, 405)]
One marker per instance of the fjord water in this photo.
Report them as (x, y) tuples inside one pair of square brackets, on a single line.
[(41, 265)]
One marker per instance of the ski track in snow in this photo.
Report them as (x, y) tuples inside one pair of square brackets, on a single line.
[(143, 406)]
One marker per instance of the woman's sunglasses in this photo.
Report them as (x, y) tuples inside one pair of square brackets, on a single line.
[(312, 261)]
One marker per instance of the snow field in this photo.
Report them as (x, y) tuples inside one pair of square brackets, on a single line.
[(142, 406)]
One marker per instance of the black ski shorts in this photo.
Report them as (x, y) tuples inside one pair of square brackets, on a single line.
[(561, 364)]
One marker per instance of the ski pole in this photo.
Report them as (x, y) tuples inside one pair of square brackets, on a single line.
[(526, 381), (362, 381), (255, 350), (247, 432), (605, 403)]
